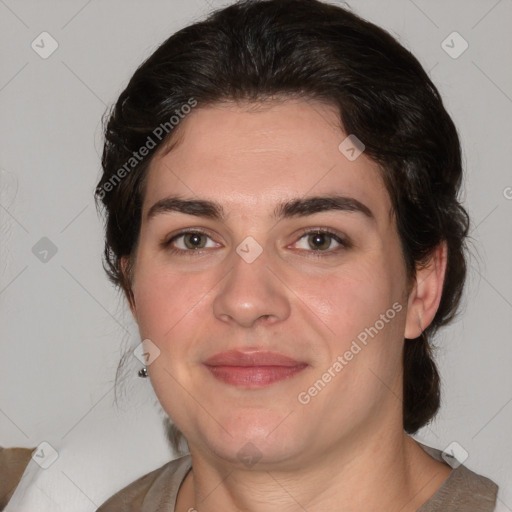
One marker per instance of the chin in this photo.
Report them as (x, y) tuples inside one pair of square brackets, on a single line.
[(254, 454), (259, 441)]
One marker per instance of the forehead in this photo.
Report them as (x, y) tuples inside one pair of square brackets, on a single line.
[(249, 157)]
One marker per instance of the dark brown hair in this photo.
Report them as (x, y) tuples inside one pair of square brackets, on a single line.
[(255, 50)]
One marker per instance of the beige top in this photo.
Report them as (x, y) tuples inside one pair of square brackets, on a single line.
[(462, 491), (13, 462)]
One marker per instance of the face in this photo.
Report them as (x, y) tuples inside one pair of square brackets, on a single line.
[(280, 320)]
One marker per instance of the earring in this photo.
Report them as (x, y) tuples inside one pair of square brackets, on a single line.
[(143, 373)]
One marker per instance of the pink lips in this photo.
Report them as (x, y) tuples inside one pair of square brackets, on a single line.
[(252, 369)]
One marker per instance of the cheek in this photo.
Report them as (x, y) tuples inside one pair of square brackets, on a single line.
[(166, 300), (336, 304), (349, 300), (366, 316)]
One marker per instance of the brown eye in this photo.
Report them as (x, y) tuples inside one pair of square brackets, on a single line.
[(321, 241), (194, 240), (189, 241)]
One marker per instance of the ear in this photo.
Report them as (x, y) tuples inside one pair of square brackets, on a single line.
[(426, 293), (123, 262)]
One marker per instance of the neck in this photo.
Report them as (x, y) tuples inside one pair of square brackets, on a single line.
[(388, 473)]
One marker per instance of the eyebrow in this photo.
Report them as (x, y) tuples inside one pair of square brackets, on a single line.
[(300, 207)]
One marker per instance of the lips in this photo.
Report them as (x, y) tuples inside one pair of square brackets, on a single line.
[(252, 369)]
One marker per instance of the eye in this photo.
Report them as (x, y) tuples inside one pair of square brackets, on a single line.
[(188, 241), (322, 240), (316, 240)]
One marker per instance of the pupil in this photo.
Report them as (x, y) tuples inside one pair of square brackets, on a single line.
[(319, 240), (195, 240)]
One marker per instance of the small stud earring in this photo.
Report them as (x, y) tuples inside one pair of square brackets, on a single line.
[(143, 373)]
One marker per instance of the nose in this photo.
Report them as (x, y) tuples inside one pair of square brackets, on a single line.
[(251, 293)]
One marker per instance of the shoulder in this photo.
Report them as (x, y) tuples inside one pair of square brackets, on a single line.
[(463, 491), (149, 490), (13, 462)]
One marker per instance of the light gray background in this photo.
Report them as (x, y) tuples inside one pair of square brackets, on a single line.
[(63, 325)]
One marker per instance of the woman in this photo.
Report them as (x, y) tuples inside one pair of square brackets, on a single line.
[(280, 189)]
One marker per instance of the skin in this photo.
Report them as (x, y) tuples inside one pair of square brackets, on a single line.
[(346, 449)]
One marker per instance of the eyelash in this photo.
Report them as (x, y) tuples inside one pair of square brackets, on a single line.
[(344, 242)]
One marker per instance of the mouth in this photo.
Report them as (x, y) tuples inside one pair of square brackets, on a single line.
[(252, 369)]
